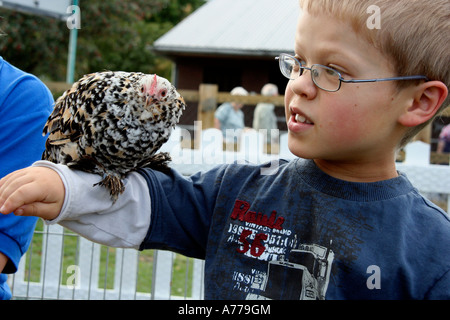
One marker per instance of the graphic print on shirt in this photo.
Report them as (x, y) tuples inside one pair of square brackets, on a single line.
[(303, 276)]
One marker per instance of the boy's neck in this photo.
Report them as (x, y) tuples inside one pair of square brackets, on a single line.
[(359, 171)]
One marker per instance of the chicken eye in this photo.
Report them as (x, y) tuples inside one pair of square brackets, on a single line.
[(142, 89), (163, 93)]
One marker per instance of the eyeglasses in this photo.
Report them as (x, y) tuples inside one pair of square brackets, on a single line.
[(324, 77)]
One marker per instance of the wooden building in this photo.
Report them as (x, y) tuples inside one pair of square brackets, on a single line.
[(231, 43)]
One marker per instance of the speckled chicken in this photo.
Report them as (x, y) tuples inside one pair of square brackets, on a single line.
[(111, 123)]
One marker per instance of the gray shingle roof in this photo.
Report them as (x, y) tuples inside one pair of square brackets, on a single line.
[(235, 27)]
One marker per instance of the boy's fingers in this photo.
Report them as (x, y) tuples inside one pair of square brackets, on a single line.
[(16, 193), (37, 209), (5, 182), (8, 185), (32, 191)]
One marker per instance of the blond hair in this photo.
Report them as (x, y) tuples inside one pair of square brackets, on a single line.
[(414, 35)]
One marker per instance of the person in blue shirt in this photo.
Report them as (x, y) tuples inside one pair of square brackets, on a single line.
[(25, 104), (229, 117)]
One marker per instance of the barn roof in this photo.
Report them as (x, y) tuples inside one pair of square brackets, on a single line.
[(231, 27)]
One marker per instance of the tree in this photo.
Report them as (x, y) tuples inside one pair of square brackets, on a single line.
[(114, 35), (34, 44)]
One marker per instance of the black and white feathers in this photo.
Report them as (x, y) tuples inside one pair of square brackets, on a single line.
[(111, 123)]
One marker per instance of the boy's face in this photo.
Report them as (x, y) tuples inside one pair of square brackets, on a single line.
[(356, 123)]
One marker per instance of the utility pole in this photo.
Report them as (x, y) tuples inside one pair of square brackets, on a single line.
[(73, 23)]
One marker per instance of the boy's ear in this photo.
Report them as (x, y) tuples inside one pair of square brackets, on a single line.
[(427, 99)]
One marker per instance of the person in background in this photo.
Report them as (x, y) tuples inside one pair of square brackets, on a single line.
[(229, 116), (264, 117), (444, 140), (25, 104)]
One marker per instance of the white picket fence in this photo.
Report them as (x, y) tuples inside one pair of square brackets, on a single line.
[(83, 282), (85, 276)]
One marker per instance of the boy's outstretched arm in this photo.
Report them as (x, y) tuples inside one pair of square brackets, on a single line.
[(72, 199), (33, 191)]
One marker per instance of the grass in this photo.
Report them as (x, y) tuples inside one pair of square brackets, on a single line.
[(182, 269)]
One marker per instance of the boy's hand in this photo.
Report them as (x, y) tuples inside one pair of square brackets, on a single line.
[(33, 191)]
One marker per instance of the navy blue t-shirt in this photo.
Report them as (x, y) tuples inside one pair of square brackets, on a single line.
[(302, 234)]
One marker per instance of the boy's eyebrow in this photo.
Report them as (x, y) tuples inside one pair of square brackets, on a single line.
[(327, 52)]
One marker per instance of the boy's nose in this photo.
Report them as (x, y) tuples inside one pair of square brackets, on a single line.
[(304, 86)]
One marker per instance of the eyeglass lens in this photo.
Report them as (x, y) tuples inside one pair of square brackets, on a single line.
[(290, 68), (324, 77)]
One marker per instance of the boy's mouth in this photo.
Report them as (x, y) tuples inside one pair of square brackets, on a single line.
[(299, 122), (302, 119)]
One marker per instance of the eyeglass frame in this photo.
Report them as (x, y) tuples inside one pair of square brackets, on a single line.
[(341, 79)]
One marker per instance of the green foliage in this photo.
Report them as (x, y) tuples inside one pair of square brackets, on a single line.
[(114, 35), (32, 43)]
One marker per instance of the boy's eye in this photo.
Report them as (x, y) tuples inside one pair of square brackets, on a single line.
[(338, 69), (302, 61), (332, 71)]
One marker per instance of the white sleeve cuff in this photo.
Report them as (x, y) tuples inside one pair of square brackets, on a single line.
[(89, 210)]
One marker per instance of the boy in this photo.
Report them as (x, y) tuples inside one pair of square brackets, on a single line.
[(341, 223)]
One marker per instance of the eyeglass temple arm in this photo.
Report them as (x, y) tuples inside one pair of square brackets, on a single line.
[(387, 79), (375, 80)]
